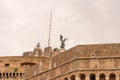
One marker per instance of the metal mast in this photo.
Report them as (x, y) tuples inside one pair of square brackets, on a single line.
[(49, 37)]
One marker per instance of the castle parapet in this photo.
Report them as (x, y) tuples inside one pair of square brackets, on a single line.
[(48, 51), (37, 52), (29, 53)]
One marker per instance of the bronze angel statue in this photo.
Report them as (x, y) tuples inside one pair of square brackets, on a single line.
[(62, 41)]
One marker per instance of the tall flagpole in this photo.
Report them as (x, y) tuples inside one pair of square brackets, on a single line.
[(49, 37)]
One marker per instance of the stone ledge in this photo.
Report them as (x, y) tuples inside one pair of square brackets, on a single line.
[(107, 69)]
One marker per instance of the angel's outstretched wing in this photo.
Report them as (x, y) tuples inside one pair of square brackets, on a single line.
[(61, 37)]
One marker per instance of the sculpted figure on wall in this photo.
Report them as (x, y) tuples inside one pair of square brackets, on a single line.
[(62, 41)]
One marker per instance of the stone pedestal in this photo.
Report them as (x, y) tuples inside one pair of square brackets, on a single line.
[(62, 49)]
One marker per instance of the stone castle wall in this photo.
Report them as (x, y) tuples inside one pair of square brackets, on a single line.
[(13, 67), (42, 66), (98, 50), (82, 65), (87, 59)]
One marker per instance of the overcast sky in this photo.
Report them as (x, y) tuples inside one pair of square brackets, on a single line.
[(24, 23)]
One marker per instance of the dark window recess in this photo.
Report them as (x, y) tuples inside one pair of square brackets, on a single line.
[(27, 64), (7, 65)]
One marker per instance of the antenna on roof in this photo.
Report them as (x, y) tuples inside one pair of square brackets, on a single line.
[(50, 29)]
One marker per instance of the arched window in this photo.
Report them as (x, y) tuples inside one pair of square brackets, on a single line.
[(72, 77), (112, 76), (10, 75), (82, 76), (13, 75), (65, 78), (21, 75), (102, 76), (17, 74), (7, 76), (92, 76), (0, 75)]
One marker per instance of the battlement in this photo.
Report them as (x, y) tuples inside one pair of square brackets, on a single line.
[(37, 52)]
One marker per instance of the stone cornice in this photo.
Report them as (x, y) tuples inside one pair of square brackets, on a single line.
[(82, 58)]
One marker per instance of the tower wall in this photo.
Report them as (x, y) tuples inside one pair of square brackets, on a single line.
[(48, 51)]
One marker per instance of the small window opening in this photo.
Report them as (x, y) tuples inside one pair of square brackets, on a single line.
[(7, 65), (92, 54)]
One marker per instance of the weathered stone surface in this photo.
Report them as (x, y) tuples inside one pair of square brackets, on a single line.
[(82, 62)]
